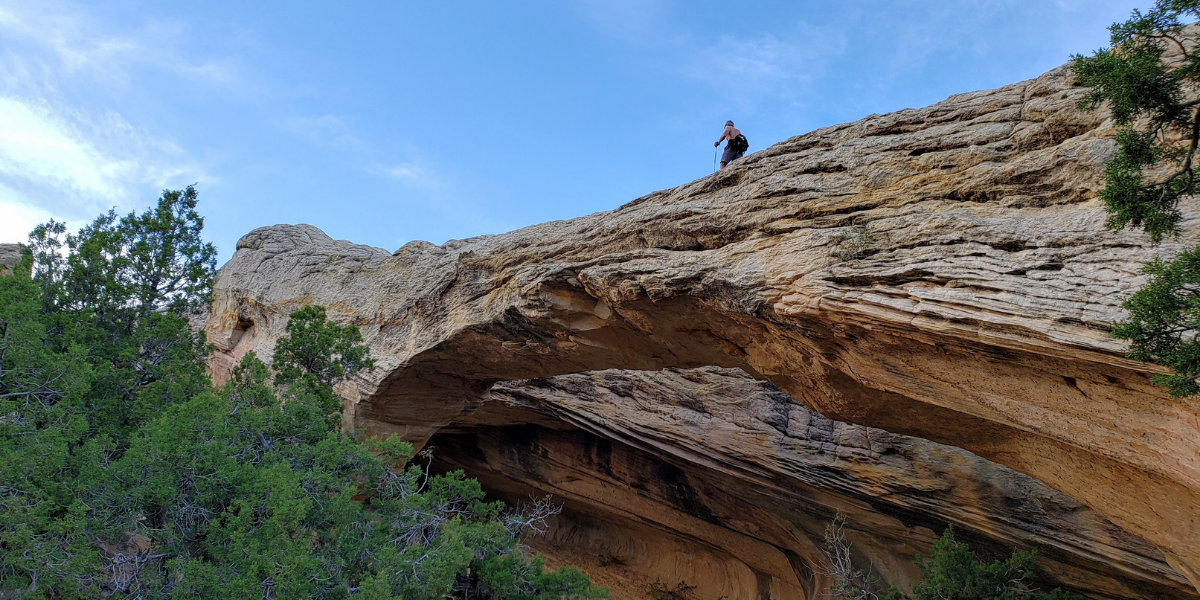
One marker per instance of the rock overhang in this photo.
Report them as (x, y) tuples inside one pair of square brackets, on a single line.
[(976, 317)]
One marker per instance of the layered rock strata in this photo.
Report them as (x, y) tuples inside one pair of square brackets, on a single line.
[(712, 478), (942, 273)]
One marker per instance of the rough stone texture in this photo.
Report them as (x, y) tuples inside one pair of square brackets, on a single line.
[(977, 318), (10, 255), (714, 478)]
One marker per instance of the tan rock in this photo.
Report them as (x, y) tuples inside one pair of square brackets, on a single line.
[(713, 478), (976, 318), (10, 255)]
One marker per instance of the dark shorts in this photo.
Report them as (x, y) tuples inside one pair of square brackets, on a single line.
[(730, 154)]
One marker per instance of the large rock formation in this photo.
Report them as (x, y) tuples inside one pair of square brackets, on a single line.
[(941, 273), (710, 477)]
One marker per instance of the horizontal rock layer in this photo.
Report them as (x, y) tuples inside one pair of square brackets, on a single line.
[(710, 477), (942, 273)]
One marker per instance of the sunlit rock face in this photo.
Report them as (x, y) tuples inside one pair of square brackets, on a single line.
[(941, 273), (10, 255)]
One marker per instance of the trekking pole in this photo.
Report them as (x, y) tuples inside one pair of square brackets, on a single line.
[(715, 150)]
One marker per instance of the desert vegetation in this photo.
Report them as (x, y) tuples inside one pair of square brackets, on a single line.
[(952, 571), (128, 474), (1149, 79)]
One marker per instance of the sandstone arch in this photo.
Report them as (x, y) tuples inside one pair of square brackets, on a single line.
[(710, 477), (976, 317)]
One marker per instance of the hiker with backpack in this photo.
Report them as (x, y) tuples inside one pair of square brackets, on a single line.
[(737, 144)]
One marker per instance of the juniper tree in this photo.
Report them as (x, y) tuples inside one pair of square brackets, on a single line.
[(951, 572), (126, 474), (954, 572), (1150, 80)]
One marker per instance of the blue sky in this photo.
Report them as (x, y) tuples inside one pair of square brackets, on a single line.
[(384, 122)]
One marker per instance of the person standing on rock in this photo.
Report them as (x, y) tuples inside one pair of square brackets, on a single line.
[(737, 144)]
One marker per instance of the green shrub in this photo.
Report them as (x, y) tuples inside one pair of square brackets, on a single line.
[(952, 572), (126, 474)]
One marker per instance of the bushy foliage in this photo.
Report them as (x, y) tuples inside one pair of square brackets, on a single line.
[(1158, 125), (514, 578), (1163, 319), (126, 474), (952, 572), (1149, 79), (316, 354)]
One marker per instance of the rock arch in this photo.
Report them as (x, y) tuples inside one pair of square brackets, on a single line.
[(972, 312)]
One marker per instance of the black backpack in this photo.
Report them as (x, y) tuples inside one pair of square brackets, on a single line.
[(739, 143)]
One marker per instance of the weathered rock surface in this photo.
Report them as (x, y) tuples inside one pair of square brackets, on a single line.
[(10, 255), (976, 315), (711, 477)]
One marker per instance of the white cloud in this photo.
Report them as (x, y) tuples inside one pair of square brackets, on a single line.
[(34, 145), (17, 219), (407, 171), (45, 40), (749, 68), (736, 62), (64, 152), (414, 174), (325, 130), (74, 168)]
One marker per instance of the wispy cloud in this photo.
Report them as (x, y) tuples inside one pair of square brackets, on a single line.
[(630, 20), (45, 40), (36, 146), (16, 218), (64, 153), (417, 174), (751, 67), (338, 133), (71, 165)]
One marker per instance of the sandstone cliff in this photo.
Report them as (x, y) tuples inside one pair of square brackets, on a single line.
[(10, 255), (940, 273), (710, 477)]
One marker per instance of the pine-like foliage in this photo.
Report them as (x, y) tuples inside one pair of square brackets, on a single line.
[(952, 572), (127, 475), (1148, 80), (1164, 317)]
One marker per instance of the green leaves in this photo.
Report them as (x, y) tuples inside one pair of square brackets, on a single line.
[(1158, 125), (319, 349), (169, 266), (126, 475), (1163, 319), (954, 572), (124, 269), (1157, 141), (513, 578), (316, 354), (41, 392)]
